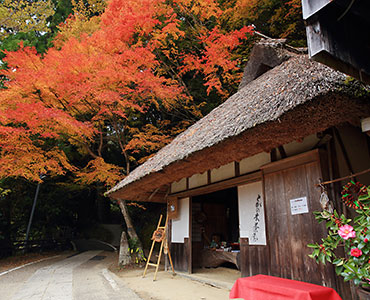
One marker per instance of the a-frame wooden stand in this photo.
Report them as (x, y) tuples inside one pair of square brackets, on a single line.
[(157, 238)]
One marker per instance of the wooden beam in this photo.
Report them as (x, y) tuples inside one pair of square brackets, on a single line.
[(237, 169), (222, 185), (209, 177), (159, 197), (344, 151), (273, 156), (310, 7), (291, 162), (282, 151)]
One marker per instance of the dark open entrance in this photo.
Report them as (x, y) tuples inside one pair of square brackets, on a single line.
[(215, 230)]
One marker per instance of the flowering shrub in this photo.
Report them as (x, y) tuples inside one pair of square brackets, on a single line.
[(347, 244)]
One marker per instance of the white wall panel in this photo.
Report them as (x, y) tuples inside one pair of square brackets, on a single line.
[(178, 186), (254, 162), (223, 172), (198, 180), (180, 226)]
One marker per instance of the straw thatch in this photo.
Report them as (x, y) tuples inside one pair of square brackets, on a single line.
[(293, 99)]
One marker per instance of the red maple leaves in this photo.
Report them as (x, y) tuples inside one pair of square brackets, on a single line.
[(101, 78)]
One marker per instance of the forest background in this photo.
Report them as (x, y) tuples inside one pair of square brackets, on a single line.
[(90, 89)]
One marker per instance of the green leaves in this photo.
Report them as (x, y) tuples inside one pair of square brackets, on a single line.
[(354, 263)]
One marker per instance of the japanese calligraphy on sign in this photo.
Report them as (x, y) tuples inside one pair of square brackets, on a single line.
[(256, 219), (251, 213)]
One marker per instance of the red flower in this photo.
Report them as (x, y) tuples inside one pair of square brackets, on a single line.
[(356, 252), (366, 240)]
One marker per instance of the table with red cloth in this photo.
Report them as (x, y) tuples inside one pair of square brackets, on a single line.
[(263, 287)]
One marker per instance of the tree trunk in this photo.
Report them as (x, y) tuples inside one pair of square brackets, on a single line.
[(130, 229)]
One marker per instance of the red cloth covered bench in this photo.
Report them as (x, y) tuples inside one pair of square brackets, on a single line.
[(263, 287)]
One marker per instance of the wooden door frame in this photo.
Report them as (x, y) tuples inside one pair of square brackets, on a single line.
[(190, 240)]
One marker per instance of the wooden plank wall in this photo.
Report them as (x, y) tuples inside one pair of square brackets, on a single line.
[(289, 234), (253, 259), (180, 255)]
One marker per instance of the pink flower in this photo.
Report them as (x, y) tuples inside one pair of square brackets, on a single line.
[(366, 240), (346, 232), (356, 252)]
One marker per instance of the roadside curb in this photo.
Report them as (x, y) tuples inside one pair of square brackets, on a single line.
[(205, 281), (115, 282), (25, 265)]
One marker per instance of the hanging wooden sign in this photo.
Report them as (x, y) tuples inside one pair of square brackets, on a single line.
[(159, 235), (172, 208)]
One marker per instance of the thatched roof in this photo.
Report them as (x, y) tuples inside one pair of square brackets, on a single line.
[(295, 98)]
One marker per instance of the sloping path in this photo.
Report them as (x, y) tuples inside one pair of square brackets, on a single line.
[(83, 276)]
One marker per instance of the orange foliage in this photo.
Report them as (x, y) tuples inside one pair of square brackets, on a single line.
[(151, 138), (215, 58), (85, 20), (101, 71), (97, 170)]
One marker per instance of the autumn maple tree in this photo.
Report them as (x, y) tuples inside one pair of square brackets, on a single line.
[(92, 85), (118, 80)]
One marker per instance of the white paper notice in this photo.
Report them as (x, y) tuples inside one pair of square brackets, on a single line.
[(299, 206)]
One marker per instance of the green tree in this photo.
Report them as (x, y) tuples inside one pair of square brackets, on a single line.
[(274, 18)]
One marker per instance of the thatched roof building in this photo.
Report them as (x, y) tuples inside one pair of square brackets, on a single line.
[(283, 97)]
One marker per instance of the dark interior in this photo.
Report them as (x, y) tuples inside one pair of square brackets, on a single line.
[(215, 224)]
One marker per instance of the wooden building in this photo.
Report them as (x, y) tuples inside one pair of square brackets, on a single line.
[(247, 171), (337, 35)]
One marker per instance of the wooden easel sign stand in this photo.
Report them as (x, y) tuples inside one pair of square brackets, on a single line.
[(159, 236)]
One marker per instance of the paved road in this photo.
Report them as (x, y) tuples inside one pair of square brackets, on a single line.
[(84, 276)]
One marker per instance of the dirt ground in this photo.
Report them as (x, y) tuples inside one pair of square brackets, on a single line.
[(207, 284)]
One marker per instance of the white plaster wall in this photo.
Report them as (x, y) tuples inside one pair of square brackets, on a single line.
[(180, 226), (223, 172), (254, 162), (198, 180), (295, 147), (178, 186), (247, 195)]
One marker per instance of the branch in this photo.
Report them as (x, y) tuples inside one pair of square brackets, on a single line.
[(100, 142), (119, 139), (342, 178), (88, 149)]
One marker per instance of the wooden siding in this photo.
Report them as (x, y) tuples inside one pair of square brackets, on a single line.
[(334, 38), (289, 234), (180, 255), (253, 259)]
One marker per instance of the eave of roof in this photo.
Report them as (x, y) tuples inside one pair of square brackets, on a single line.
[(263, 100)]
